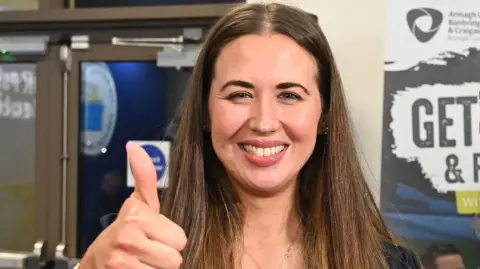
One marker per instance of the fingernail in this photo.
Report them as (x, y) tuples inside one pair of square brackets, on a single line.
[(129, 145)]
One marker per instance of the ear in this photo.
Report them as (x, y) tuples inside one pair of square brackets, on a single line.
[(206, 121), (206, 128), (323, 124)]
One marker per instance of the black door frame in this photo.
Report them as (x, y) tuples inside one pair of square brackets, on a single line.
[(96, 53), (47, 135)]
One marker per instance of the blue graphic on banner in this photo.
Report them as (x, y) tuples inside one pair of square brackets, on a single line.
[(158, 159)]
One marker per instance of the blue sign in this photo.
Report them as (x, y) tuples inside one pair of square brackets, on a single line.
[(93, 109), (99, 108), (158, 159)]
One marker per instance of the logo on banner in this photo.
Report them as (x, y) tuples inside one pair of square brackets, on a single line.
[(159, 152), (413, 16), (99, 108)]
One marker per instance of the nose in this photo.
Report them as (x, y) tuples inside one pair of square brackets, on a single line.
[(264, 116)]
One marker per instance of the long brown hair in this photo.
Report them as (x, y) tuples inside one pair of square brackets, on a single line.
[(342, 226)]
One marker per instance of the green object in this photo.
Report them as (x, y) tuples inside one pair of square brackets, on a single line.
[(468, 202), (7, 57)]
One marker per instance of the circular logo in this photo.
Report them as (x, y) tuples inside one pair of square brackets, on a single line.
[(99, 108), (158, 159), (412, 21)]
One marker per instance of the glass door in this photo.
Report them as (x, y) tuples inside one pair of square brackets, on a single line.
[(28, 160), (116, 94)]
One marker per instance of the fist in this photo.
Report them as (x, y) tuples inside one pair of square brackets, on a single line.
[(140, 237)]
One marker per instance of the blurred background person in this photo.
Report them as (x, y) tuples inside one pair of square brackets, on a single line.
[(443, 256)]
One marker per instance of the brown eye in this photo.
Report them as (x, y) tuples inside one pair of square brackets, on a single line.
[(239, 96), (290, 96)]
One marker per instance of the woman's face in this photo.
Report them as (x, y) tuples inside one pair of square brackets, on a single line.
[(264, 110)]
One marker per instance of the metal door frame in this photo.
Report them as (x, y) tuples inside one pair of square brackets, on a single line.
[(96, 52), (46, 136), (47, 147)]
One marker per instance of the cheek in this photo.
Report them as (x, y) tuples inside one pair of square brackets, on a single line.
[(225, 121), (302, 129), (302, 124)]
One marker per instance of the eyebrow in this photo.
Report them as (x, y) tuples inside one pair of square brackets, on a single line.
[(248, 85)]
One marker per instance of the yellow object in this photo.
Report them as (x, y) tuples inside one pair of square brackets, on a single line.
[(94, 97), (468, 202)]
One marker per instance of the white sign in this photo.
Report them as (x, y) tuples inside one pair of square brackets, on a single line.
[(159, 151), (433, 64)]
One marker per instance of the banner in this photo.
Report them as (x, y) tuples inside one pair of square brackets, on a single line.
[(430, 190)]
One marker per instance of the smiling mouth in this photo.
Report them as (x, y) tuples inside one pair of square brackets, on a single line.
[(264, 152)]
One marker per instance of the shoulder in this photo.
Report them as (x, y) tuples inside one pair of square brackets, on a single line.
[(399, 257)]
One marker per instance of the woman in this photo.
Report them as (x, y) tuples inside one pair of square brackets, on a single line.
[(265, 172)]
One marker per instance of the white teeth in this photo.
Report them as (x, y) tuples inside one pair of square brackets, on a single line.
[(264, 152)]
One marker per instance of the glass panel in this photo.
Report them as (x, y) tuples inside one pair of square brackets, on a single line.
[(18, 4), (131, 3), (121, 101), (17, 155)]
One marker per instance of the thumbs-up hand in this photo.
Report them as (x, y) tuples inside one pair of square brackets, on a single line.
[(140, 237)]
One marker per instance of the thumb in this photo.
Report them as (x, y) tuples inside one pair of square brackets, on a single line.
[(145, 176)]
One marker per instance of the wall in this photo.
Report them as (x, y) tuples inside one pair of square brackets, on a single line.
[(355, 30)]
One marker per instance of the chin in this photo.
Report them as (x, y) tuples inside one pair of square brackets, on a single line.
[(266, 183)]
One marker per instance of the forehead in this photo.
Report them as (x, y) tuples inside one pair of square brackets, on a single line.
[(449, 261), (271, 55)]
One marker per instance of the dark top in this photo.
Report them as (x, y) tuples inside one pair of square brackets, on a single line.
[(398, 257)]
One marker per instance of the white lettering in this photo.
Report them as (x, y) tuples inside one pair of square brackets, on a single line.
[(437, 126), (16, 109), (469, 202), (156, 159), (28, 79), (17, 94)]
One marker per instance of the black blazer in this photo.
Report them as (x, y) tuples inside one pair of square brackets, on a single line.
[(398, 257)]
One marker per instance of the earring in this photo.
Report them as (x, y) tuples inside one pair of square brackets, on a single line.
[(325, 131)]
